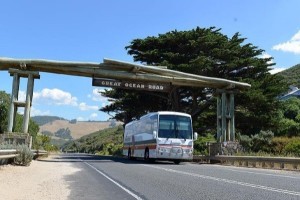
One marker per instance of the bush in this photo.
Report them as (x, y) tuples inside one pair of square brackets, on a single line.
[(24, 155), (262, 141), (293, 147), (278, 144), (200, 145), (246, 143)]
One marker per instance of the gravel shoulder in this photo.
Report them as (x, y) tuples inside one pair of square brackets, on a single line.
[(43, 179)]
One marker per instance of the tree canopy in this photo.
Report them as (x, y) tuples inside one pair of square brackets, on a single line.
[(207, 52)]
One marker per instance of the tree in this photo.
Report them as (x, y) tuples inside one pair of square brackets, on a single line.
[(4, 105), (207, 52), (33, 128)]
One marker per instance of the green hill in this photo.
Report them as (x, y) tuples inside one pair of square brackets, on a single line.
[(105, 142), (292, 75), (41, 120)]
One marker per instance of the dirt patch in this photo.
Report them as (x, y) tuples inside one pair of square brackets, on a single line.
[(40, 180)]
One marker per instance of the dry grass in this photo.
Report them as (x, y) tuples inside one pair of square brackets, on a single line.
[(77, 130)]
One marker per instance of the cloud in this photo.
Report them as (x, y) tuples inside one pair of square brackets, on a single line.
[(55, 97), (36, 112), (292, 45), (266, 55), (93, 115), (84, 107), (81, 119), (22, 95), (277, 70), (96, 95)]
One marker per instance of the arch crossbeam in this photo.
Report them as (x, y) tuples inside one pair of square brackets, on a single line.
[(121, 70), (118, 70)]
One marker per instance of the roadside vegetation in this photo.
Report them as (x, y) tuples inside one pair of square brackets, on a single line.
[(105, 142)]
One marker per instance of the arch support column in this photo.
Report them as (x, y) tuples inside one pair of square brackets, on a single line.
[(15, 103), (225, 115)]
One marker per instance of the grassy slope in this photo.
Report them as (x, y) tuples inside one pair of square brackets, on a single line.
[(292, 75), (111, 138), (77, 130)]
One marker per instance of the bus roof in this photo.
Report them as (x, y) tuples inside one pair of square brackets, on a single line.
[(165, 113), (160, 113)]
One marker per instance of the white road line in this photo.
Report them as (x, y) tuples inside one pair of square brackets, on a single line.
[(265, 174), (123, 188), (228, 181), (243, 170)]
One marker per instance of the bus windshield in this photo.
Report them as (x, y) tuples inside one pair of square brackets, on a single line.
[(174, 126)]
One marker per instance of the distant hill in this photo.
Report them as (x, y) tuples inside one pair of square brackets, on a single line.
[(74, 129), (292, 75), (104, 142), (41, 120)]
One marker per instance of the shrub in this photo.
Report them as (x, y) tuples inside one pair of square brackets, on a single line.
[(200, 145), (293, 147), (246, 143), (278, 144), (24, 155), (262, 141)]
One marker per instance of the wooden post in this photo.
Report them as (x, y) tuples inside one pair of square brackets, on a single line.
[(232, 117), (224, 125), (14, 97), (29, 95), (219, 117), (14, 103), (225, 116)]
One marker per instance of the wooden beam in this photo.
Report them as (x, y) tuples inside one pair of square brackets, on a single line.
[(113, 69)]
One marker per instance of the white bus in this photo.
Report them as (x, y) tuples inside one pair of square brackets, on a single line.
[(161, 135)]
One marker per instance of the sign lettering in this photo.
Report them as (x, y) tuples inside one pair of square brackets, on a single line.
[(158, 87)]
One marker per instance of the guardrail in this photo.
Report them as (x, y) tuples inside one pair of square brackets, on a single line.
[(37, 153), (287, 163), (7, 154)]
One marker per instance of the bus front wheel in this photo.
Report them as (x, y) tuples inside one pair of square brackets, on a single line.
[(146, 155), (177, 162), (129, 154)]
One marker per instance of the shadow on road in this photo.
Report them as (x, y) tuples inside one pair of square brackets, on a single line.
[(95, 158)]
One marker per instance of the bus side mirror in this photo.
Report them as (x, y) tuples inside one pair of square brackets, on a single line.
[(154, 134), (195, 136)]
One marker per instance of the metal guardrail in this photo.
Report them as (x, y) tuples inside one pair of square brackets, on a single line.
[(254, 161), (6, 154), (37, 153)]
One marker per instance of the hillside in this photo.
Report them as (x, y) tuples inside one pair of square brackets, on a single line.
[(105, 142), (75, 129), (292, 75), (41, 120)]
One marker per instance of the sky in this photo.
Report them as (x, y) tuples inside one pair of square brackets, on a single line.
[(89, 31)]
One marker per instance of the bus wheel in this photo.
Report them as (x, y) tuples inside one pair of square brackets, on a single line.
[(129, 154), (177, 162), (146, 155)]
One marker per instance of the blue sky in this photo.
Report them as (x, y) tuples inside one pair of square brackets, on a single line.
[(73, 30)]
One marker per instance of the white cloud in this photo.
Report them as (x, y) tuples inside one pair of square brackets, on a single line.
[(93, 115), (292, 45), (81, 119), (84, 107), (55, 97), (276, 70), (266, 55), (36, 112), (96, 95), (22, 95)]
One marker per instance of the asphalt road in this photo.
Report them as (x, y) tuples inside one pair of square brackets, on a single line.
[(117, 178)]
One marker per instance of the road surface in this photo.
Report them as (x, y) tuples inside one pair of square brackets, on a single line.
[(117, 178)]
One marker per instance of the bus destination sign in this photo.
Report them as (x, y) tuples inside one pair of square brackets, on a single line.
[(158, 87)]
